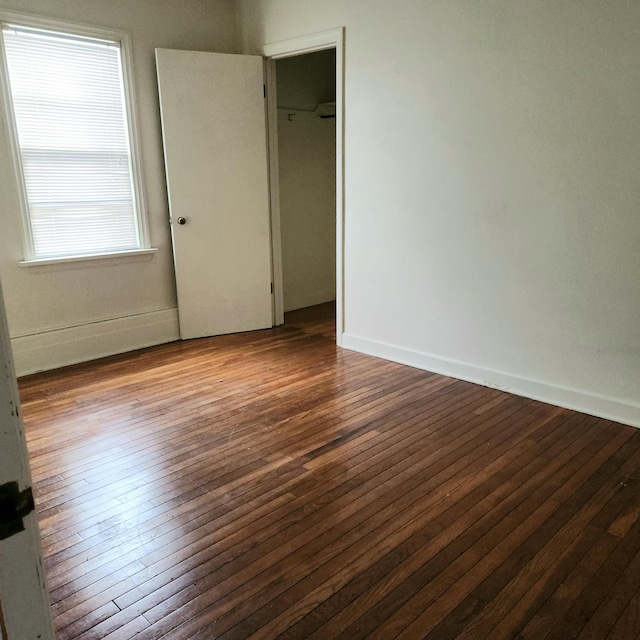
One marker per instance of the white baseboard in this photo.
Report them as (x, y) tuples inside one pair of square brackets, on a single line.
[(291, 303), (70, 345), (576, 399)]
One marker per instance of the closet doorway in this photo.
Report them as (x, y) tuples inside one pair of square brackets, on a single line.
[(305, 89), (306, 127)]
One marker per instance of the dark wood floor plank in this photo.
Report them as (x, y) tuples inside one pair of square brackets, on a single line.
[(568, 519), (600, 624), (182, 475), (409, 509), (628, 625), (465, 509), (458, 507), (539, 578), (426, 487), (436, 601), (596, 590), (304, 526), (269, 484), (325, 580), (204, 428), (503, 527)]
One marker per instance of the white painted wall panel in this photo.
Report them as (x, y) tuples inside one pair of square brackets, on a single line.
[(492, 156)]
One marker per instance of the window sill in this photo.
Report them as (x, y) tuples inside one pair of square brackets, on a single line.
[(136, 255)]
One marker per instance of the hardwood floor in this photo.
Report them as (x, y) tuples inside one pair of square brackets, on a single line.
[(271, 485)]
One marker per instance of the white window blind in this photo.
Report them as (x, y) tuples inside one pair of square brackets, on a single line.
[(68, 102)]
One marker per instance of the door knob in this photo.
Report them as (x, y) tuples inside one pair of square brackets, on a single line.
[(181, 220)]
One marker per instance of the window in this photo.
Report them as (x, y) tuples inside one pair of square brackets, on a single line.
[(74, 143)]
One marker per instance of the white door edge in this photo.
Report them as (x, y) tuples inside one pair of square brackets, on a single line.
[(24, 599)]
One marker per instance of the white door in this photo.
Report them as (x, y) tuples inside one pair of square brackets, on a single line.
[(24, 605), (214, 132)]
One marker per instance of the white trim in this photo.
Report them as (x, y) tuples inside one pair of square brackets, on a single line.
[(128, 84), (304, 44), (12, 132), (333, 39), (70, 345), (64, 27), (114, 255), (340, 187), (575, 399)]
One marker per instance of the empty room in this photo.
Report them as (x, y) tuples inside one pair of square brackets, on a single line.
[(319, 319)]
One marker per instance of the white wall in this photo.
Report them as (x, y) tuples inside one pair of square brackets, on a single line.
[(492, 187), (307, 172), (58, 315)]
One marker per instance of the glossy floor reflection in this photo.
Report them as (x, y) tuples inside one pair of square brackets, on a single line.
[(269, 485)]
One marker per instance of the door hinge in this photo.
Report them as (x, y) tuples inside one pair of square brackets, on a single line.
[(272, 287), (14, 506), (264, 90)]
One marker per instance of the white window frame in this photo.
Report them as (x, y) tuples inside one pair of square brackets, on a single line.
[(124, 40)]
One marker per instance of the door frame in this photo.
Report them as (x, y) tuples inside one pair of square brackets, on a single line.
[(333, 39)]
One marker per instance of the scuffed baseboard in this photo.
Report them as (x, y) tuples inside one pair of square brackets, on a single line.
[(576, 399), (70, 345)]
